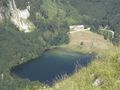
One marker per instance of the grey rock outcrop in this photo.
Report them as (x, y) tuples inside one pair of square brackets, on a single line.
[(97, 82), (20, 18)]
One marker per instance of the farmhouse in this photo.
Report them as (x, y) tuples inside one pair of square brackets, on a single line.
[(78, 28)]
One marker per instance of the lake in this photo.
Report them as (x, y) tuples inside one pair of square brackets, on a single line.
[(51, 65)]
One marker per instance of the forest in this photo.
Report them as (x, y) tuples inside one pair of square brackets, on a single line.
[(52, 19), (100, 13)]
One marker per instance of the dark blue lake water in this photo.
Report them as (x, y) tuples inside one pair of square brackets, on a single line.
[(50, 65)]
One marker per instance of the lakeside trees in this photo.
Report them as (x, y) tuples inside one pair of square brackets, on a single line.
[(100, 12), (17, 47), (52, 19)]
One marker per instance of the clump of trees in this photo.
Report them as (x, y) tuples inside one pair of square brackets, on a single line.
[(97, 13), (107, 34), (52, 19), (17, 47)]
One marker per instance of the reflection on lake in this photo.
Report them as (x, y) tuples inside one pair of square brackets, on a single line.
[(50, 65)]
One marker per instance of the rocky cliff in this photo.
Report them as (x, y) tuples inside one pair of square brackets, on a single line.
[(20, 18)]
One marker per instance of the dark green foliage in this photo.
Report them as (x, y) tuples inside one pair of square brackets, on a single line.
[(52, 19), (81, 43), (100, 12), (18, 47), (106, 33)]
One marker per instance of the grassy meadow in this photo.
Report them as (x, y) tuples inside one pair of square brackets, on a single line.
[(87, 41), (105, 67)]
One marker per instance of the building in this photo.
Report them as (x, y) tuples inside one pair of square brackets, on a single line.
[(78, 28)]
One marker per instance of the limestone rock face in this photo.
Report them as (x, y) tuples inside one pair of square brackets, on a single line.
[(1, 18), (97, 82), (2, 14), (20, 18)]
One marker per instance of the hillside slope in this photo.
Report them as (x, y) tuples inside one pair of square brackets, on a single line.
[(87, 41), (100, 12), (105, 70), (16, 46), (52, 19)]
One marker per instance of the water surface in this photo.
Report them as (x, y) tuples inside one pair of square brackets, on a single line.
[(50, 65)]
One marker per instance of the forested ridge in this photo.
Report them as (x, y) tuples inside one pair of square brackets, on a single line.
[(100, 13), (52, 19), (18, 47)]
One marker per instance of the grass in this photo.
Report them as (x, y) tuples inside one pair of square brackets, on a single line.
[(106, 67), (90, 42)]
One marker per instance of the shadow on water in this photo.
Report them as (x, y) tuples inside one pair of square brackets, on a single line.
[(52, 64)]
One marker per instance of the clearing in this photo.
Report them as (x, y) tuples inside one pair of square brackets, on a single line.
[(87, 41)]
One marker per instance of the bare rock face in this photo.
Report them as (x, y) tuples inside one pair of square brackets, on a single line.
[(97, 82), (1, 18), (2, 76), (2, 13), (20, 18)]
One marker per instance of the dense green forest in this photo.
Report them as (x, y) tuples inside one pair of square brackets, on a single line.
[(100, 13), (17, 47), (52, 19)]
